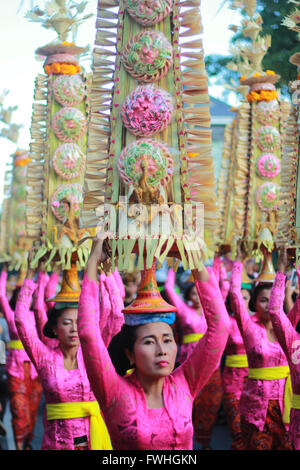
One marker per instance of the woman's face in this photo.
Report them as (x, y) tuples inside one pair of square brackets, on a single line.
[(194, 297), (131, 289), (246, 297), (154, 352), (66, 328), (261, 304)]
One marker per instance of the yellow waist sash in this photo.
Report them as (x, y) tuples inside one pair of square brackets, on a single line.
[(236, 360), (275, 373), (99, 436), (15, 344), (192, 338), (296, 402)]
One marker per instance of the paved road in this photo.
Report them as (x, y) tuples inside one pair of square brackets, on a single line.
[(220, 439)]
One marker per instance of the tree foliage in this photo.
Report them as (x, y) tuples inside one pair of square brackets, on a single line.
[(284, 45)]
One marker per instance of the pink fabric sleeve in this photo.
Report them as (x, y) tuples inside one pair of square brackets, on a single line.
[(240, 311), (116, 318), (120, 283), (40, 309), (206, 356), (175, 299), (216, 268), (224, 282), (105, 382), (50, 289), (104, 309), (7, 311), (25, 323), (283, 327), (39, 306), (294, 313)]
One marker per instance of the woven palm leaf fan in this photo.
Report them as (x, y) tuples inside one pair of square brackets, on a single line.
[(149, 136)]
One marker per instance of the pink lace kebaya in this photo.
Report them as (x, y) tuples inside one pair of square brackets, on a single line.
[(260, 353), (189, 319), (61, 385), (233, 377), (16, 357), (131, 424), (288, 338)]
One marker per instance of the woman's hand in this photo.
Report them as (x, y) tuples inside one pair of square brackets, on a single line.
[(31, 254), (41, 265), (99, 254), (282, 263), (200, 276), (5, 267), (240, 252)]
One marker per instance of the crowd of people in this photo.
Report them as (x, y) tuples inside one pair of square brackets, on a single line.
[(118, 380)]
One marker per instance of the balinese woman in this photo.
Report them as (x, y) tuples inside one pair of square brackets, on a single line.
[(262, 405), (72, 419), (289, 340), (192, 322), (151, 408), (22, 379)]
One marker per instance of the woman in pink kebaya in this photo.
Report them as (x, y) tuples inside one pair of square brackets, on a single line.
[(289, 339), (264, 423), (72, 419), (150, 408), (192, 321), (22, 379)]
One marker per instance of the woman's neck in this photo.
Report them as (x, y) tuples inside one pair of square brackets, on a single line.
[(269, 329), (70, 356), (153, 389), (198, 309)]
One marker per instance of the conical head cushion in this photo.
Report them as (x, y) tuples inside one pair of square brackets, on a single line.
[(148, 299)]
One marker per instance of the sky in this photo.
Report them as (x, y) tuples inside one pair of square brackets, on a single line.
[(19, 38)]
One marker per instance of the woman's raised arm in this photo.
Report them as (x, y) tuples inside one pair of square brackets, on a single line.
[(104, 380), (206, 356)]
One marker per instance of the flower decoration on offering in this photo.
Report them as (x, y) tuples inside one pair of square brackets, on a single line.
[(262, 95), (68, 161), (69, 90), (146, 160), (147, 111), (267, 113), (69, 124), (70, 192), (148, 12), (61, 63), (267, 197), (147, 56), (268, 166), (62, 69), (268, 138)]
